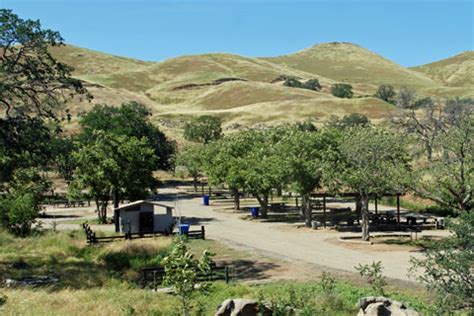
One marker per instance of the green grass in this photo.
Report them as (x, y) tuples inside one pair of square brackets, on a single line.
[(102, 280)]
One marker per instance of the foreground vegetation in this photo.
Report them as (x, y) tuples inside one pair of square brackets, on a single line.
[(104, 280)]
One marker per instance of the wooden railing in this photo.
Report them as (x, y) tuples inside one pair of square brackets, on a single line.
[(154, 276), (92, 238)]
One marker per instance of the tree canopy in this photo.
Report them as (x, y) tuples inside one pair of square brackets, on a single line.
[(114, 163), (342, 90), (32, 82), (368, 160), (130, 119), (386, 93), (203, 129)]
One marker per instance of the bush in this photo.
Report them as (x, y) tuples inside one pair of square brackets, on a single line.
[(181, 271), (312, 84), (447, 266), (374, 276), (342, 90), (21, 205), (292, 82), (386, 93)]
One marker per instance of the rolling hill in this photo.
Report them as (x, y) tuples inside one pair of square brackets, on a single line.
[(456, 71), (346, 62), (248, 91)]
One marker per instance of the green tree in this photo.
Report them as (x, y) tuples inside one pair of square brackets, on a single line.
[(181, 272), (312, 84), (263, 167), (203, 129), (226, 163), (386, 93), (304, 152), (293, 82), (446, 267), (63, 163), (114, 163), (342, 90), (368, 161), (32, 82), (130, 119), (448, 178), (25, 143), (191, 157), (347, 121), (20, 207)]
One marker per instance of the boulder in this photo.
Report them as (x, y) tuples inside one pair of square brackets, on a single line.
[(240, 307), (31, 281), (382, 306)]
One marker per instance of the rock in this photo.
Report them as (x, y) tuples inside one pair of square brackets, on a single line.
[(31, 281), (382, 306), (240, 307)]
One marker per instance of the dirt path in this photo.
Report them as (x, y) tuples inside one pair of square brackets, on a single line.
[(273, 239), (277, 240)]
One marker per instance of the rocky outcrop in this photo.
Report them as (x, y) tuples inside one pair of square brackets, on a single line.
[(241, 307), (382, 306)]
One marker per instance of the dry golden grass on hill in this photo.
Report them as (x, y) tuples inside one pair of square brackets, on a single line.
[(456, 71), (181, 87)]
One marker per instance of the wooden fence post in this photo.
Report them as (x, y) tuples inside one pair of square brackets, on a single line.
[(226, 274), (155, 285), (398, 208), (324, 210)]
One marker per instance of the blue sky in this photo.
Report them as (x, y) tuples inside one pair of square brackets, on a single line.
[(409, 32)]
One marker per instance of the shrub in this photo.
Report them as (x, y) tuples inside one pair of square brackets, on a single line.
[(20, 207), (447, 266), (292, 82), (374, 276), (312, 84), (342, 90), (386, 93), (181, 271)]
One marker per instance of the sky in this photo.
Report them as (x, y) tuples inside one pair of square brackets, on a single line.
[(409, 32)]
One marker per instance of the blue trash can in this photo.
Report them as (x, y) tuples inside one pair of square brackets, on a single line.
[(254, 211), (205, 200), (183, 229)]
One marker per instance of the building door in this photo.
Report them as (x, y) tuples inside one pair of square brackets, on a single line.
[(146, 222)]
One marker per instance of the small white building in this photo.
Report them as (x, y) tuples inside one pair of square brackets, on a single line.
[(143, 217)]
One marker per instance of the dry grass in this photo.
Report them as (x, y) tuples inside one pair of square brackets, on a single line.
[(456, 71), (257, 100)]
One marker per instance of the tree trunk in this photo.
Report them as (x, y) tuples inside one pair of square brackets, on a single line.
[(364, 201), (97, 205), (236, 194), (263, 204), (195, 184), (358, 208), (308, 212), (103, 213)]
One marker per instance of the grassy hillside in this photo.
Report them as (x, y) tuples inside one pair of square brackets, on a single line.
[(348, 62), (456, 71), (245, 91), (89, 62)]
